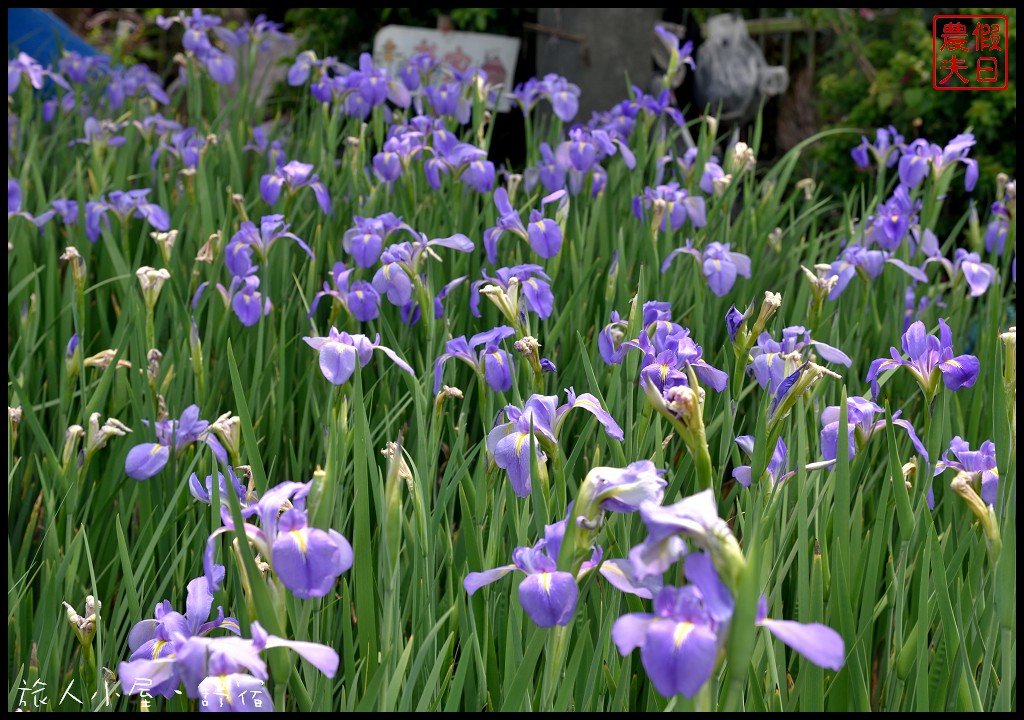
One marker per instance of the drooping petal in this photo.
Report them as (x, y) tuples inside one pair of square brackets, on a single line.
[(476, 580), (549, 598), (960, 371), (337, 362), (234, 692), (820, 644), (146, 460), (678, 656), (630, 631)]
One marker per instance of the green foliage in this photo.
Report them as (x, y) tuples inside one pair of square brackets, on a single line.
[(876, 69)]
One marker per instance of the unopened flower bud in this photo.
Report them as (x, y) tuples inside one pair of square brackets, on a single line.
[(807, 185), (963, 486), (71, 439), (76, 262), (103, 359), (208, 252), (775, 239), (98, 435), (769, 306), (166, 242), (84, 627), (152, 281), (228, 429)]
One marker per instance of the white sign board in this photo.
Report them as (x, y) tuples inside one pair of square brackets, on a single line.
[(496, 55)]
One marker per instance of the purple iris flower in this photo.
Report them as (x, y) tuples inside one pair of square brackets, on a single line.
[(294, 175), (400, 265), (36, 75), (124, 204), (417, 71), (411, 313), (548, 595), (610, 340), (679, 206), (130, 82), (534, 289), (83, 68), (694, 518), (226, 667), (491, 362), (509, 442), (773, 361), (527, 94), (186, 146), (928, 358), (886, 148), (156, 125), (358, 298), (668, 349), (243, 295), (679, 54), (563, 95), (776, 470), (720, 266), (196, 40), (892, 220), (679, 642), (921, 156), (979, 275), (66, 210), (368, 87), (476, 170), (365, 239), (101, 134), (447, 99), (549, 171), (273, 150), (146, 460), (155, 639), (860, 416), (203, 492), (339, 353), (306, 560), (622, 490), (14, 207), (980, 462), (857, 260), (1004, 209), (652, 107), (543, 234), (995, 235), (585, 148), (250, 241)]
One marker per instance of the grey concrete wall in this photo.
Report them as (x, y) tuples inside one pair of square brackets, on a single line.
[(595, 48)]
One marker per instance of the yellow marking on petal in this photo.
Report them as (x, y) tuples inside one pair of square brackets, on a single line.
[(225, 688), (367, 236), (300, 538), (359, 294), (717, 263), (523, 437), (158, 647), (664, 372), (895, 217), (683, 630), (232, 625), (955, 364), (155, 450), (387, 271), (545, 582), (533, 283), (497, 358)]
